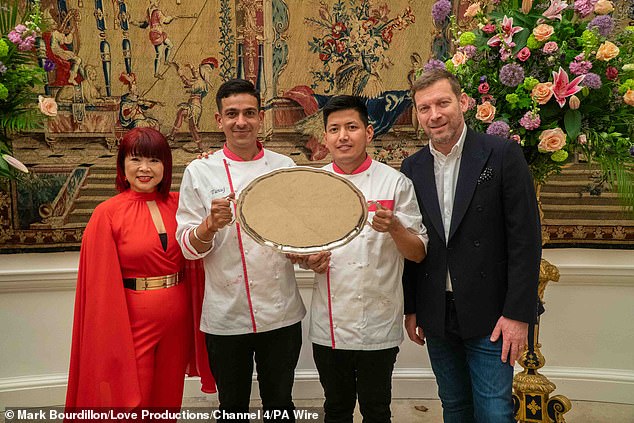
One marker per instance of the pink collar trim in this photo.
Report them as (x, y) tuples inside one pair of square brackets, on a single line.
[(233, 156), (362, 168)]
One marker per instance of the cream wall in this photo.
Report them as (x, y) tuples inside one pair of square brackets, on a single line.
[(586, 333)]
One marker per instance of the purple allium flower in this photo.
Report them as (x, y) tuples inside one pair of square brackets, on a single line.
[(512, 75), (441, 10), (603, 23), (3, 68), (592, 80), (49, 65), (499, 128), (584, 7), (530, 120), (632, 151), (483, 78), (434, 64), (580, 68)]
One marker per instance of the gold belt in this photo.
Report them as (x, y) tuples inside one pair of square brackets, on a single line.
[(155, 282)]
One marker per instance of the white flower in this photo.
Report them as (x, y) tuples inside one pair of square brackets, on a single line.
[(15, 163)]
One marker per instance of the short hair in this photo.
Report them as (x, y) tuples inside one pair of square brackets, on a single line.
[(432, 76), (345, 102), (236, 86), (145, 142)]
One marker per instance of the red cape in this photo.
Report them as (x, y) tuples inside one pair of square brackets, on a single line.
[(103, 369)]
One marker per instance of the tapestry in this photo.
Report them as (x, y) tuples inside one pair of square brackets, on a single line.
[(121, 64)]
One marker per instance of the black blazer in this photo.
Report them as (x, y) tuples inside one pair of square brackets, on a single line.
[(494, 247)]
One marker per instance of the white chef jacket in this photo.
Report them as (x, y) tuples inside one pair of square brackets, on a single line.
[(270, 300), (358, 303)]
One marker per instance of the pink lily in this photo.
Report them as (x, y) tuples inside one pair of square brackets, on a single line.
[(555, 9), (563, 88), (508, 30)]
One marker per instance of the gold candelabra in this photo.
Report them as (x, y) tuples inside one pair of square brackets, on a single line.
[(531, 390)]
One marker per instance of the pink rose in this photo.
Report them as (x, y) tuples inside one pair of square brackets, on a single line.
[(524, 54), (516, 138), (550, 47), (612, 73), (582, 139), (483, 88), (485, 112), (48, 106), (551, 140)]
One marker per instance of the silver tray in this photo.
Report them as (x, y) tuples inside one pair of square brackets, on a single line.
[(301, 210)]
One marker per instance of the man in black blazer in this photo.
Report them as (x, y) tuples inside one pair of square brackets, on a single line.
[(473, 297)]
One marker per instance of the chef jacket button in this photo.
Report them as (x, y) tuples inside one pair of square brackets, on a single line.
[(334, 326), (359, 296), (476, 243), (255, 312)]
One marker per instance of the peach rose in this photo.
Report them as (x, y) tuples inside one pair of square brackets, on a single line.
[(472, 10), (485, 112), (542, 32), (603, 7), (542, 92), (551, 140), (607, 51), (48, 106), (628, 98), (574, 102), (459, 58)]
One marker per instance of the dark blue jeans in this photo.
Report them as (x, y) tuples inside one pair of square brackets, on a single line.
[(275, 353), (474, 385), (344, 374)]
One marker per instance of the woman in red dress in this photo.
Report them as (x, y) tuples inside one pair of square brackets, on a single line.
[(135, 321)]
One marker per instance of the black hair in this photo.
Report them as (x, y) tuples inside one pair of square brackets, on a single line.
[(346, 102), (233, 87)]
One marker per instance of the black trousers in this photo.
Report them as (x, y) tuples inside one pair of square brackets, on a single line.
[(346, 374), (275, 353)]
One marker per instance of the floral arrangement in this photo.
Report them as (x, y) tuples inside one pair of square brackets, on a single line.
[(556, 77), (19, 75), (353, 39)]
